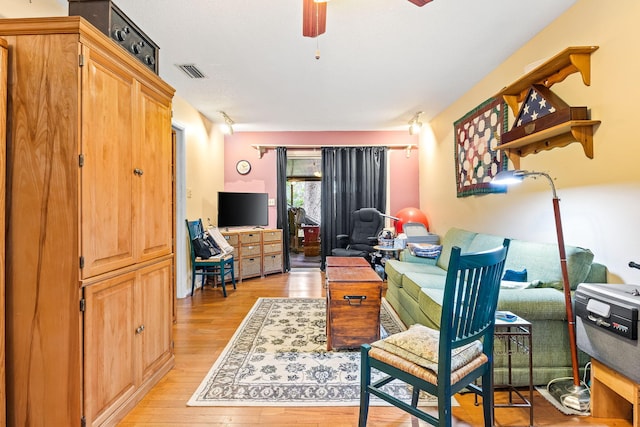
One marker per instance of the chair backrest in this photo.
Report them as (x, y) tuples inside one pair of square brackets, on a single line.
[(365, 223), (470, 300), (195, 230)]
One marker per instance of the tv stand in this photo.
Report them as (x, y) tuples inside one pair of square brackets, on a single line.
[(257, 251)]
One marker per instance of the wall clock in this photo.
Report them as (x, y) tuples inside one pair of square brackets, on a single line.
[(243, 167)]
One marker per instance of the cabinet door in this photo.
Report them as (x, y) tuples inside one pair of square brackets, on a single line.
[(155, 307), (109, 346), (108, 111), (153, 202), (3, 134)]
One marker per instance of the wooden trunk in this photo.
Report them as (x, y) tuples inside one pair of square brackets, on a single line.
[(353, 306)]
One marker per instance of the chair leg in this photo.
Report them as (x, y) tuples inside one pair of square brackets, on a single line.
[(193, 280), (415, 395), (487, 397), (365, 381), (233, 275), (444, 408), (224, 287)]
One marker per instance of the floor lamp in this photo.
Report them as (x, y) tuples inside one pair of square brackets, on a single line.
[(570, 394)]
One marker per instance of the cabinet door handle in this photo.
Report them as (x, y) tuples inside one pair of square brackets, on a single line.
[(139, 329), (138, 171)]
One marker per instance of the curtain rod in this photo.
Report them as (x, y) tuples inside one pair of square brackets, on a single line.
[(262, 148)]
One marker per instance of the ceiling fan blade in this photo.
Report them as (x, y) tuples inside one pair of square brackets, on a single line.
[(314, 18), (420, 2)]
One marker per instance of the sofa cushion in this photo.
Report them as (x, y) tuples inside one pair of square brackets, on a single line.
[(397, 269), (533, 304), (430, 302), (413, 282), (542, 260), (454, 237), (482, 242)]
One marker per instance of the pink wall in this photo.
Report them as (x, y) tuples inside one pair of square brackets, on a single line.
[(404, 191)]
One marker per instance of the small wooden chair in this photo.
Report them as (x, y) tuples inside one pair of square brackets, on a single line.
[(444, 362), (221, 265)]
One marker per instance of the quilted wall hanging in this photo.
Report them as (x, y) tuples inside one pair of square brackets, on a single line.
[(477, 157)]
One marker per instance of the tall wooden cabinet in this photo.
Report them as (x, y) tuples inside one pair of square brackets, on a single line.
[(89, 225), (3, 133)]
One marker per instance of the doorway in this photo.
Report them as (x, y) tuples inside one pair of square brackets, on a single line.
[(304, 185)]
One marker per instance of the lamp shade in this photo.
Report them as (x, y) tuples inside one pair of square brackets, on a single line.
[(508, 177), (314, 18)]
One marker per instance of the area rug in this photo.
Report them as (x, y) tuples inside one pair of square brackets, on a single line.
[(278, 357)]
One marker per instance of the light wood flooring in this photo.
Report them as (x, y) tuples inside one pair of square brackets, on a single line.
[(207, 321)]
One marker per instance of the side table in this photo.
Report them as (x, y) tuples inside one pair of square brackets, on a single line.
[(386, 253), (516, 336), (613, 395)]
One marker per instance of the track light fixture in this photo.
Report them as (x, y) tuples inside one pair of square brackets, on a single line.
[(227, 128), (415, 124)]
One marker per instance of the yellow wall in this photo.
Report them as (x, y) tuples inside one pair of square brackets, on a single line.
[(600, 197), (204, 161)]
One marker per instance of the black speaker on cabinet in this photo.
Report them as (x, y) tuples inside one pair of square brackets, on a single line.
[(109, 19)]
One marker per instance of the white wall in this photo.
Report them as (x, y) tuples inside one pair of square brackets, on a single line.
[(600, 197)]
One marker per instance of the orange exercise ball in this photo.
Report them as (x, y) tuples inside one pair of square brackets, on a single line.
[(410, 215)]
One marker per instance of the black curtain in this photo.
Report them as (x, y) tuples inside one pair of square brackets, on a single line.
[(352, 178), (283, 211)]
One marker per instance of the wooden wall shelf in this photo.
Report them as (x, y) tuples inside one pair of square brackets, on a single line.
[(554, 70), (557, 136)]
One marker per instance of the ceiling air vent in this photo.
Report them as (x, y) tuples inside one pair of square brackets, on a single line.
[(191, 71)]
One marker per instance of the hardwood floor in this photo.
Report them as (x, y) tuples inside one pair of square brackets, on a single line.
[(205, 323)]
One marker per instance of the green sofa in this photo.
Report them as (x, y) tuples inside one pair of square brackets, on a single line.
[(415, 289)]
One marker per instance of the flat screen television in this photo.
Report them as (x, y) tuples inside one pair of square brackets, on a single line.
[(243, 209)]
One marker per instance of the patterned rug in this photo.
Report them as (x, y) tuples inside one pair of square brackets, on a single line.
[(278, 357)]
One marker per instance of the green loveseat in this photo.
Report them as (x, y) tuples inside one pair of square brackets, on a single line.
[(415, 290)]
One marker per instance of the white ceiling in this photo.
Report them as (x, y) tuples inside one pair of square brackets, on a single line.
[(380, 60)]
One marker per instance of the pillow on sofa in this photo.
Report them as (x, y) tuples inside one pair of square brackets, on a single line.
[(419, 344), (515, 276)]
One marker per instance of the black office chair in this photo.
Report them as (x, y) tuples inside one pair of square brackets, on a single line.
[(366, 224), (443, 362), (218, 266)]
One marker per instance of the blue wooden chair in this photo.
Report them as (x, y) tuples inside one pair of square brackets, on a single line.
[(423, 358), (218, 266)]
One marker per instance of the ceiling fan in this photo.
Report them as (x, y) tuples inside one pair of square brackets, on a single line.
[(314, 16)]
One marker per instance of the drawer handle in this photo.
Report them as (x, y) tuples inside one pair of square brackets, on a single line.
[(355, 299)]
